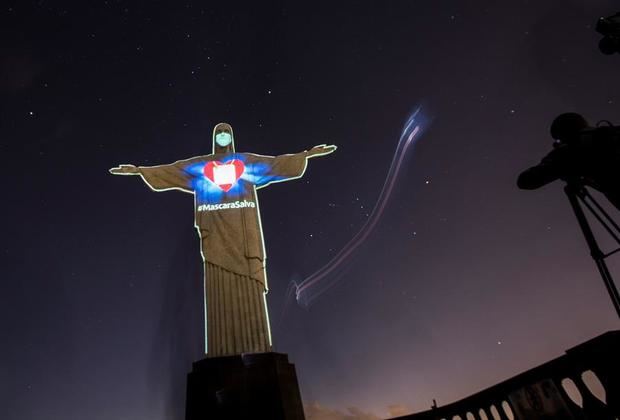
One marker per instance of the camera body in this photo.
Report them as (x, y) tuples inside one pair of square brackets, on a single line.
[(603, 141), (609, 27)]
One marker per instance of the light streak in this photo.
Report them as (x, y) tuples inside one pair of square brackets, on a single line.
[(317, 283)]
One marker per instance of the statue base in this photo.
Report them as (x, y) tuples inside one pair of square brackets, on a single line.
[(247, 386)]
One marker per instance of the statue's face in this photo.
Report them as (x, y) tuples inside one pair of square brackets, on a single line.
[(223, 139)]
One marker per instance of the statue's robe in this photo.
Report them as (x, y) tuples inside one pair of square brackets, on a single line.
[(227, 218)]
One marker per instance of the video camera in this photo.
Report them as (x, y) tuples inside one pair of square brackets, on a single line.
[(603, 135), (609, 27)]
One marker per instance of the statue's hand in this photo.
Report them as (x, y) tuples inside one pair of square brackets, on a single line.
[(125, 170), (321, 149)]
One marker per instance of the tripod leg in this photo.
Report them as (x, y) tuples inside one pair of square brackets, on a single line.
[(609, 284), (595, 251), (586, 198), (601, 210)]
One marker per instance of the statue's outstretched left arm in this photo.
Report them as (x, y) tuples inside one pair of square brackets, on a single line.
[(321, 150), (286, 167)]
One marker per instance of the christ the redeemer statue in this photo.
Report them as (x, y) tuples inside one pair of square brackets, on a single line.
[(227, 218)]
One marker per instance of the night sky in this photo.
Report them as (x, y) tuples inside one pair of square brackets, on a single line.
[(465, 281)]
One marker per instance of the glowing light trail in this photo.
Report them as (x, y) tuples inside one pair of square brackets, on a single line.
[(311, 287)]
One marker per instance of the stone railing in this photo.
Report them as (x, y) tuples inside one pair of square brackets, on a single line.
[(582, 384)]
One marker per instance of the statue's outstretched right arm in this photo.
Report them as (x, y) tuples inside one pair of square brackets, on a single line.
[(125, 170), (161, 177)]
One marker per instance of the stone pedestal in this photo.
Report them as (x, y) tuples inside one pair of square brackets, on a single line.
[(248, 386)]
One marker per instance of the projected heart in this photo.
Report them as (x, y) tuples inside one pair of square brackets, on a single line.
[(224, 174)]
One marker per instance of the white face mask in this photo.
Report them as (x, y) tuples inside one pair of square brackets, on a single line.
[(223, 139)]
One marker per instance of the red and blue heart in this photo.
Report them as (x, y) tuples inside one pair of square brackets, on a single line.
[(231, 178)]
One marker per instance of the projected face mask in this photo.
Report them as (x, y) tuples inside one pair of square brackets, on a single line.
[(223, 139)]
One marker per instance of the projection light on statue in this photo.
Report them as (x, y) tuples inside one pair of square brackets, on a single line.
[(224, 175), (223, 139), (226, 212)]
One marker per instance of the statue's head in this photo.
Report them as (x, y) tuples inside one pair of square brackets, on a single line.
[(223, 140)]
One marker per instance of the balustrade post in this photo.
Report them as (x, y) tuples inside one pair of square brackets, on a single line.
[(593, 408)]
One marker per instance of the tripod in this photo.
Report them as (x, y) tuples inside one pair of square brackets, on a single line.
[(577, 195)]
